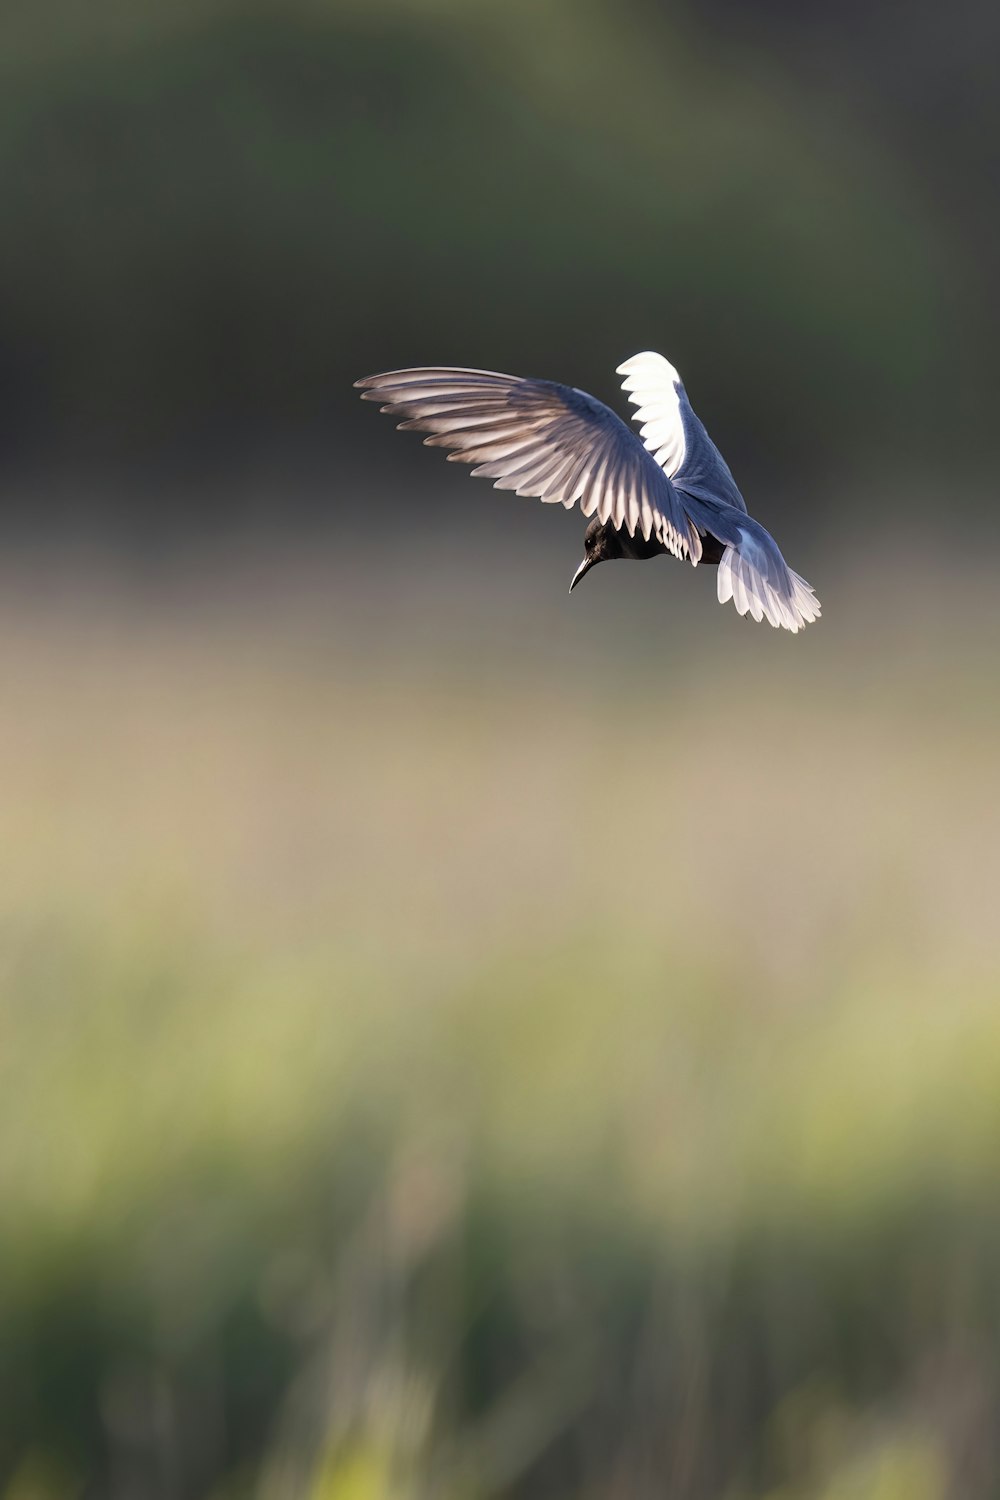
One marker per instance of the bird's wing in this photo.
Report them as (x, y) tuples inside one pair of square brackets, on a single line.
[(752, 571), (542, 439), (673, 434)]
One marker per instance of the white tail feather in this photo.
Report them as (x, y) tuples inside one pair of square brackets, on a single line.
[(756, 587)]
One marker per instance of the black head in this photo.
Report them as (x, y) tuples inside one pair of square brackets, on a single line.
[(600, 544)]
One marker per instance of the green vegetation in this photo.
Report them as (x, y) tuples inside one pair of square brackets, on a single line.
[(424, 1077)]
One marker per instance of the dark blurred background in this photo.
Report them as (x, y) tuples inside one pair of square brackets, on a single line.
[(458, 1041), (217, 215)]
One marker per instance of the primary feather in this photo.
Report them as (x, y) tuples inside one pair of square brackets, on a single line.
[(673, 433), (539, 438)]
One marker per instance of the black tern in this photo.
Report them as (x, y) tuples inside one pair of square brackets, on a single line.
[(672, 492)]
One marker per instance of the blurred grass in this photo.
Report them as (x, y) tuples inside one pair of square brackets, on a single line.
[(499, 1051)]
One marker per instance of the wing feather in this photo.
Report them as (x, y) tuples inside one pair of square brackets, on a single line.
[(543, 439), (672, 432)]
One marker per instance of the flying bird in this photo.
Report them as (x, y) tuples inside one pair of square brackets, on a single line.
[(666, 491)]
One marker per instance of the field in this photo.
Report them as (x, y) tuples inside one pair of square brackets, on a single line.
[(460, 1042)]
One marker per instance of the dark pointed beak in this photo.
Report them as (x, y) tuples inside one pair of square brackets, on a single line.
[(585, 567)]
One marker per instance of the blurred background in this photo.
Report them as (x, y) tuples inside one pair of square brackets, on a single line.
[(456, 1040)]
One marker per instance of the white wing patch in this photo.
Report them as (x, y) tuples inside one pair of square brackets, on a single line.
[(651, 382)]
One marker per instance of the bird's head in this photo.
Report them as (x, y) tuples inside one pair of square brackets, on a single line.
[(600, 543)]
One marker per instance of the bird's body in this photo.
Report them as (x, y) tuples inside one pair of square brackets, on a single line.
[(670, 492)]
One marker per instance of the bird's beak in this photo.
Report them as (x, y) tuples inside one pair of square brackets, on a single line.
[(585, 567)]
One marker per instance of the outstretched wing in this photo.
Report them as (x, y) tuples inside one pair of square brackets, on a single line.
[(542, 439), (673, 434)]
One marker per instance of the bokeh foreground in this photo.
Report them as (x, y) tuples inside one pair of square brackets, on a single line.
[(546, 1048)]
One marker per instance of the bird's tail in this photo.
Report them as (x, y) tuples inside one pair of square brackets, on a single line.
[(790, 602), (756, 577), (753, 573)]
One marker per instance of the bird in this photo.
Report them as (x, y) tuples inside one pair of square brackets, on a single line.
[(664, 490)]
